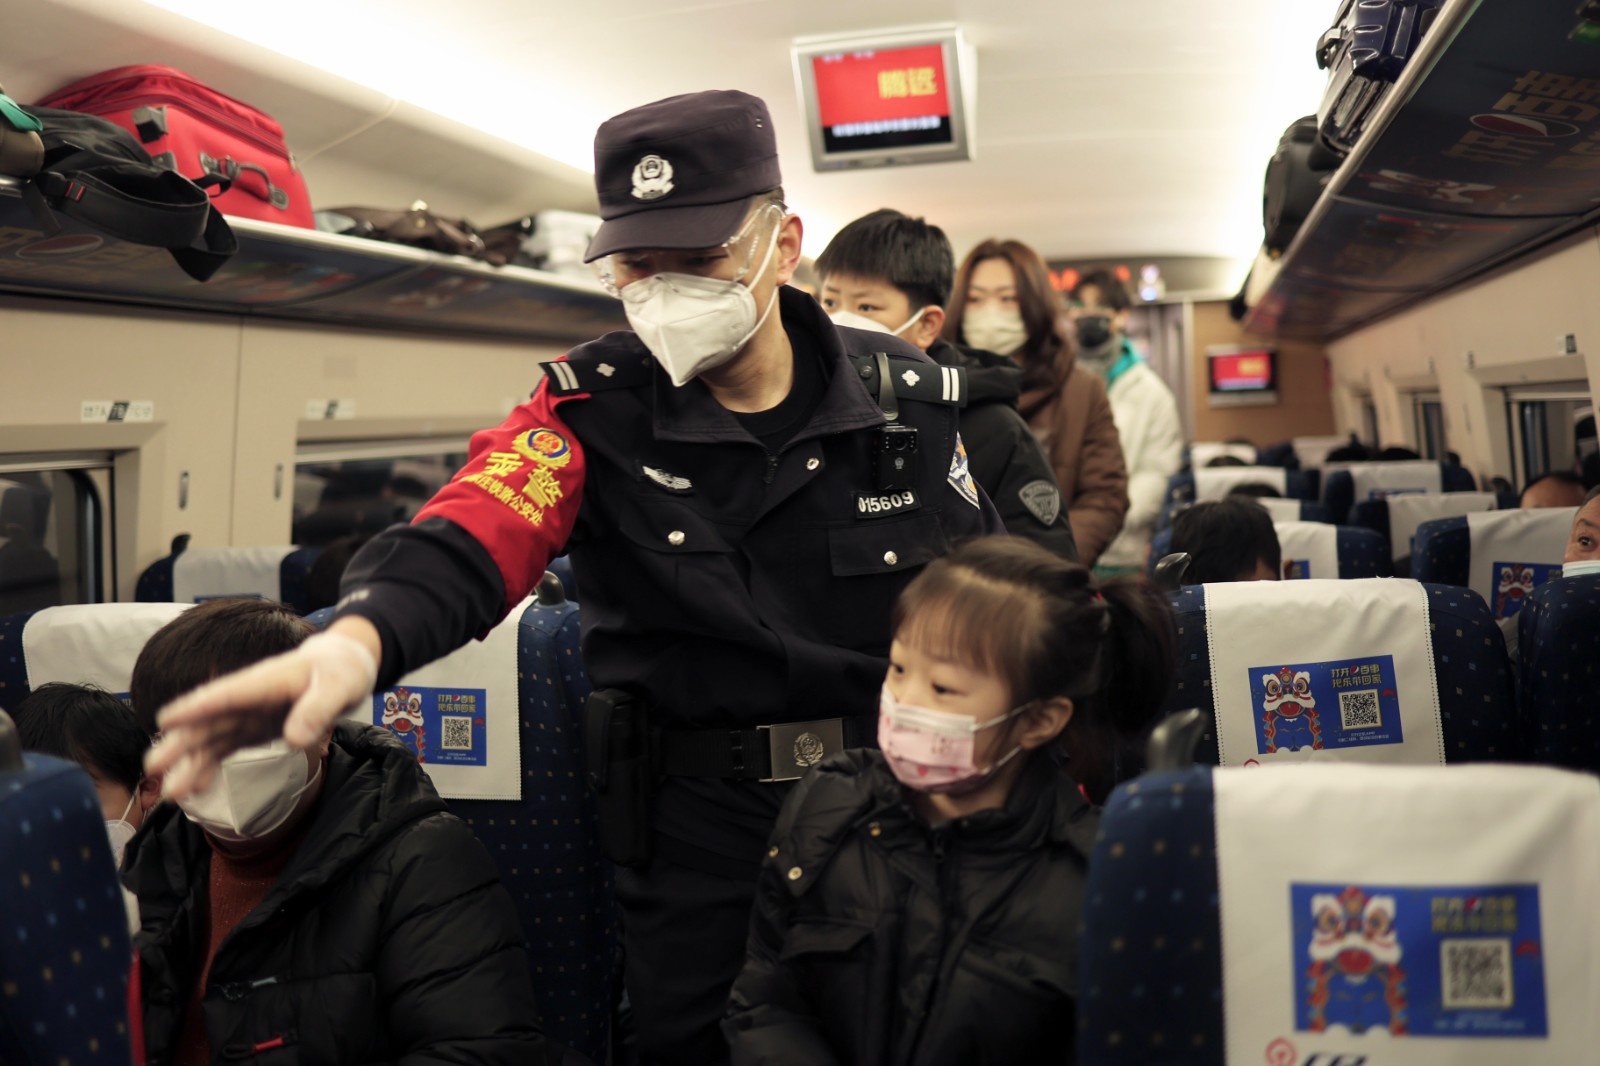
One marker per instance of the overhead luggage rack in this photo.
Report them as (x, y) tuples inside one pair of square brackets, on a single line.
[(285, 272), (1487, 148)]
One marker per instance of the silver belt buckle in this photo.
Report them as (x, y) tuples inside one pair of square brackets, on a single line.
[(796, 747)]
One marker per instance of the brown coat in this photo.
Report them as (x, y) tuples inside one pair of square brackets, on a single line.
[(1072, 419)]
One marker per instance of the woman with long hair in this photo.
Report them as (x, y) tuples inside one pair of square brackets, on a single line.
[(1003, 303)]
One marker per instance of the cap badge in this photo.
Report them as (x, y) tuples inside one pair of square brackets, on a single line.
[(652, 178)]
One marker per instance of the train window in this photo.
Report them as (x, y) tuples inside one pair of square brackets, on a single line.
[(1428, 412), (349, 488), (55, 531), (1550, 427)]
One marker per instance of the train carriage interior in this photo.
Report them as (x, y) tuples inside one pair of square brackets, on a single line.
[(1359, 242)]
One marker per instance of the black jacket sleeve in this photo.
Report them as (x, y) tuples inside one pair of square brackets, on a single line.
[(428, 588), (1008, 462)]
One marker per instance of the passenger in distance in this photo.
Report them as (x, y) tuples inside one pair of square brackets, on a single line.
[(1583, 543), (1145, 410), (910, 895), (1231, 539), (891, 273), (323, 902), (1558, 488), (99, 732), (1004, 304)]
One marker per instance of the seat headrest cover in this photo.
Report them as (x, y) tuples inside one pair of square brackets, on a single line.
[(1310, 549), (201, 573), (91, 643), (1514, 552), (1282, 510), (1380, 480), (1323, 670), (1408, 512), (459, 716), (1410, 927), (1213, 483)]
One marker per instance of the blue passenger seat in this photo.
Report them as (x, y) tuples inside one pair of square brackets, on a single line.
[(1558, 671), (1528, 546), (1339, 485), (1361, 551), (1477, 700), (1195, 944), (64, 950), (90, 643), (544, 841), (190, 575)]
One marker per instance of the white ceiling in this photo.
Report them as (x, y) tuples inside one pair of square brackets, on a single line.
[(1104, 127)]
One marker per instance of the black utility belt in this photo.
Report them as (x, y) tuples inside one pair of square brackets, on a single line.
[(779, 752)]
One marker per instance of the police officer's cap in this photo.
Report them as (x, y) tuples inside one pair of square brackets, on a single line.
[(681, 172)]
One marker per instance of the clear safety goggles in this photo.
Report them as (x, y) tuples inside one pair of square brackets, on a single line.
[(731, 260)]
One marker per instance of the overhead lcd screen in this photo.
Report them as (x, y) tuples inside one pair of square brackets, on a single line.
[(888, 98), (893, 98), (1242, 375)]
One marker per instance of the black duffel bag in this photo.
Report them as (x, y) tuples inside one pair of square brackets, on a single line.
[(1294, 182), (95, 173)]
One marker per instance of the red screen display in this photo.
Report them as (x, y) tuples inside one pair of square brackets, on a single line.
[(1242, 371), (898, 83)]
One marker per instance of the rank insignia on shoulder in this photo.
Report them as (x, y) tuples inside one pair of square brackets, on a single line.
[(568, 376), (928, 382)]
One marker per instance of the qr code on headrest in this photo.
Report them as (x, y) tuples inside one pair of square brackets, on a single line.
[(1360, 709), (1477, 974), (457, 733)]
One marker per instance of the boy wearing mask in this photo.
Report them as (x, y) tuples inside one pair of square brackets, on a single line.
[(322, 904), (890, 273), (1142, 405)]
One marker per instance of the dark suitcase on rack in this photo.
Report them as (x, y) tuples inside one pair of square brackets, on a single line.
[(191, 128), (1364, 52), (1294, 182)]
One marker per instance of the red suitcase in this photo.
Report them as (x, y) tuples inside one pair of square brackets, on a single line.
[(193, 129)]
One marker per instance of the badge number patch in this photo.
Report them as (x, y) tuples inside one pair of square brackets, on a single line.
[(884, 504)]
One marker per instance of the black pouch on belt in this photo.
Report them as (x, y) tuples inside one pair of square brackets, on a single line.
[(617, 749)]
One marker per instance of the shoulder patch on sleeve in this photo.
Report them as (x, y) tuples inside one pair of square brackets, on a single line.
[(929, 382), (961, 474), (597, 373), (1042, 499)]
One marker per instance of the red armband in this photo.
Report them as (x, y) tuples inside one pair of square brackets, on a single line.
[(520, 491)]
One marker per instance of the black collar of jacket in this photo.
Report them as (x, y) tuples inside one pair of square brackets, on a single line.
[(991, 378), (855, 788), (374, 789)]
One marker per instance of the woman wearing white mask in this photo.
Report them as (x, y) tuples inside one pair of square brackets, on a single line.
[(1003, 303), (94, 729), (908, 893)]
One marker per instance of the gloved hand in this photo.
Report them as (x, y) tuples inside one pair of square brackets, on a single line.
[(301, 692)]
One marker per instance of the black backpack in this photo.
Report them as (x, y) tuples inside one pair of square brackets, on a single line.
[(96, 173)]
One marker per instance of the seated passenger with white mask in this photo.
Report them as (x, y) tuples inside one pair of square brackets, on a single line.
[(94, 729), (324, 901)]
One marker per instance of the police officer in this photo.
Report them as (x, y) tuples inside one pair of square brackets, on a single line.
[(743, 489)]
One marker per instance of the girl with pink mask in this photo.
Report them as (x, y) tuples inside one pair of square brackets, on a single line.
[(919, 904)]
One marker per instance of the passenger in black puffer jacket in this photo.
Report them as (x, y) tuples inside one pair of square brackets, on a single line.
[(320, 906), (919, 905)]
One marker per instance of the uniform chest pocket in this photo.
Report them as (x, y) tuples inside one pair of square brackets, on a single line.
[(823, 939), (887, 546), (672, 528)]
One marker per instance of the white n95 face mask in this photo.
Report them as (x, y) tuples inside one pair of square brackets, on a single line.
[(693, 324), (1579, 567), (855, 321), (994, 329), (119, 830), (254, 792)]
